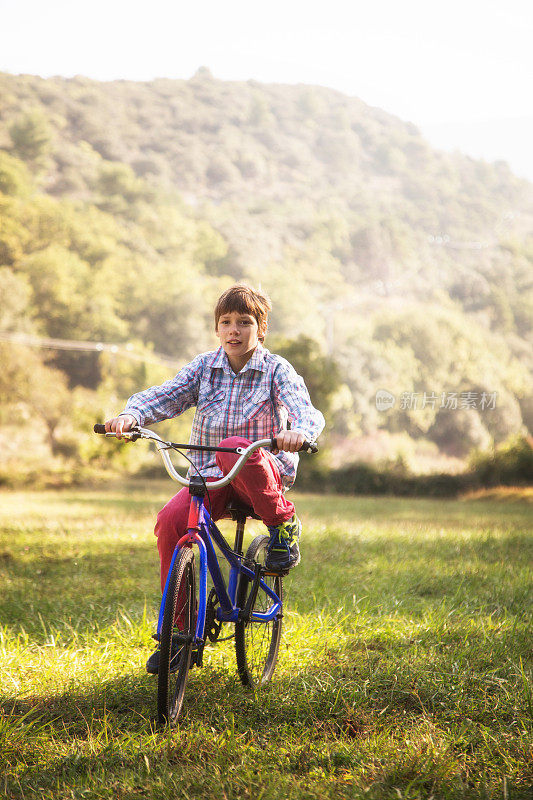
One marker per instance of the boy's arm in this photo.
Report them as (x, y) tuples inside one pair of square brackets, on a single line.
[(157, 403), (307, 422)]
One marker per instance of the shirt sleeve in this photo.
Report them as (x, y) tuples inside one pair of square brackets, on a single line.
[(170, 399), (290, 391)]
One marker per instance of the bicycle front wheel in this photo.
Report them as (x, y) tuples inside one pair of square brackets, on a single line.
[(177, 634), (257, 643)]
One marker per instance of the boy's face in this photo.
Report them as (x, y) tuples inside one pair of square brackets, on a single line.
[(238, 334)]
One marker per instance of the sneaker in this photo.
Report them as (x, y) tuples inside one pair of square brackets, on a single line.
[(152, 665), (283, 552)]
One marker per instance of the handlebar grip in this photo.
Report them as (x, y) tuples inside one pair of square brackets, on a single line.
[(310, 447), (99, 428), (307, 447)]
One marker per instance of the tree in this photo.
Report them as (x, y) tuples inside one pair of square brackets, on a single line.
[(58, 278), (13, 234), (120, 188), (15, 179), (320, 373), (15, 295), (459, 431), (31, 136)]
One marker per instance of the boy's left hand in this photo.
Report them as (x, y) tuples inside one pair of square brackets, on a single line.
[(291, 441)]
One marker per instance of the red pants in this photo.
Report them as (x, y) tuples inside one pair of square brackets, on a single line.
[(258, 484)]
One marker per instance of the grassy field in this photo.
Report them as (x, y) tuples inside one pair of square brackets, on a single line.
[(405, 667)]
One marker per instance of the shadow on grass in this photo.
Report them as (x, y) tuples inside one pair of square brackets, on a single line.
[(427, 669), (329, 716), (75, 595), (385, 674)]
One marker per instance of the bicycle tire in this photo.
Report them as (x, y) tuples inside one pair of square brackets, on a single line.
[(257, 643), (171, 684)]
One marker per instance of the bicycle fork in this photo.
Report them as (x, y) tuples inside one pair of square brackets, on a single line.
[(197, 641)]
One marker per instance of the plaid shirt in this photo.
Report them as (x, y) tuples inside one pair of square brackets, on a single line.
[(254, 403)]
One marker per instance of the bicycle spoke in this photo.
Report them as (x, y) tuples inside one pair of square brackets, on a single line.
[(257, 643), (177, 633)]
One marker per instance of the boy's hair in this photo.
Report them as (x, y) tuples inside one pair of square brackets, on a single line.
[(245, 300)]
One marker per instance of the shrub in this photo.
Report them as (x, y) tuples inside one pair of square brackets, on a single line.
[(510, 464)]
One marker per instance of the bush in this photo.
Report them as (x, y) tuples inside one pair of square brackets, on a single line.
[(511, 464), (366, 479)]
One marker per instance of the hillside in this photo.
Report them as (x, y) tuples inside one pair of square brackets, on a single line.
[(409, 268)]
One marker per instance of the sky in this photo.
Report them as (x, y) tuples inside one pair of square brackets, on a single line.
[(460, 70)]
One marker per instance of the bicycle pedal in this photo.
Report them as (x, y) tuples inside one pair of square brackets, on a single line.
[(182, 639), (270, 573)]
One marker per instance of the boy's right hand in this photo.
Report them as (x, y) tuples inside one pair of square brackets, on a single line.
[(121, 424)]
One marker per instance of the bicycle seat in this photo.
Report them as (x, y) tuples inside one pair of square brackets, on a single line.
[(237, 510)]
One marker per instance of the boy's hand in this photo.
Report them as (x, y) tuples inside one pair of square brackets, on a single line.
[(291, 441), (121, 424)]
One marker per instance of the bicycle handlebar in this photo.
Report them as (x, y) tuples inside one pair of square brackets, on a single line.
[(163, 447)]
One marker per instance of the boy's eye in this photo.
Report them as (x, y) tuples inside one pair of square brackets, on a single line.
[(245, 321)]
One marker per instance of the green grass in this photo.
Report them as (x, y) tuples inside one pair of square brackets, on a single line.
[(404, 672)]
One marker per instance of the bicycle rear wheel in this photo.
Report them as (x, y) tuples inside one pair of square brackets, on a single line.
[(176, 640), (257, 643)]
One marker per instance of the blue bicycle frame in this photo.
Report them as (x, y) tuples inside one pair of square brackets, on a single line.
[(200, 533), (180, 651)]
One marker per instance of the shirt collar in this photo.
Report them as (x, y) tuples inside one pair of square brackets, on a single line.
[(256, 362)]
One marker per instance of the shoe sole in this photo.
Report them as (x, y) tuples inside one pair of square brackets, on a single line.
[(281, 570), (156, 672)]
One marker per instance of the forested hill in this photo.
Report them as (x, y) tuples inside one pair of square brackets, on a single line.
[(254, 143), (409, 268)]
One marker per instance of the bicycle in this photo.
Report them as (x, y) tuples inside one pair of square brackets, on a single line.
[(252, 598)]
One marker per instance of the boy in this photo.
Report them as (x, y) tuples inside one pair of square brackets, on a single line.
[(242, 392)]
